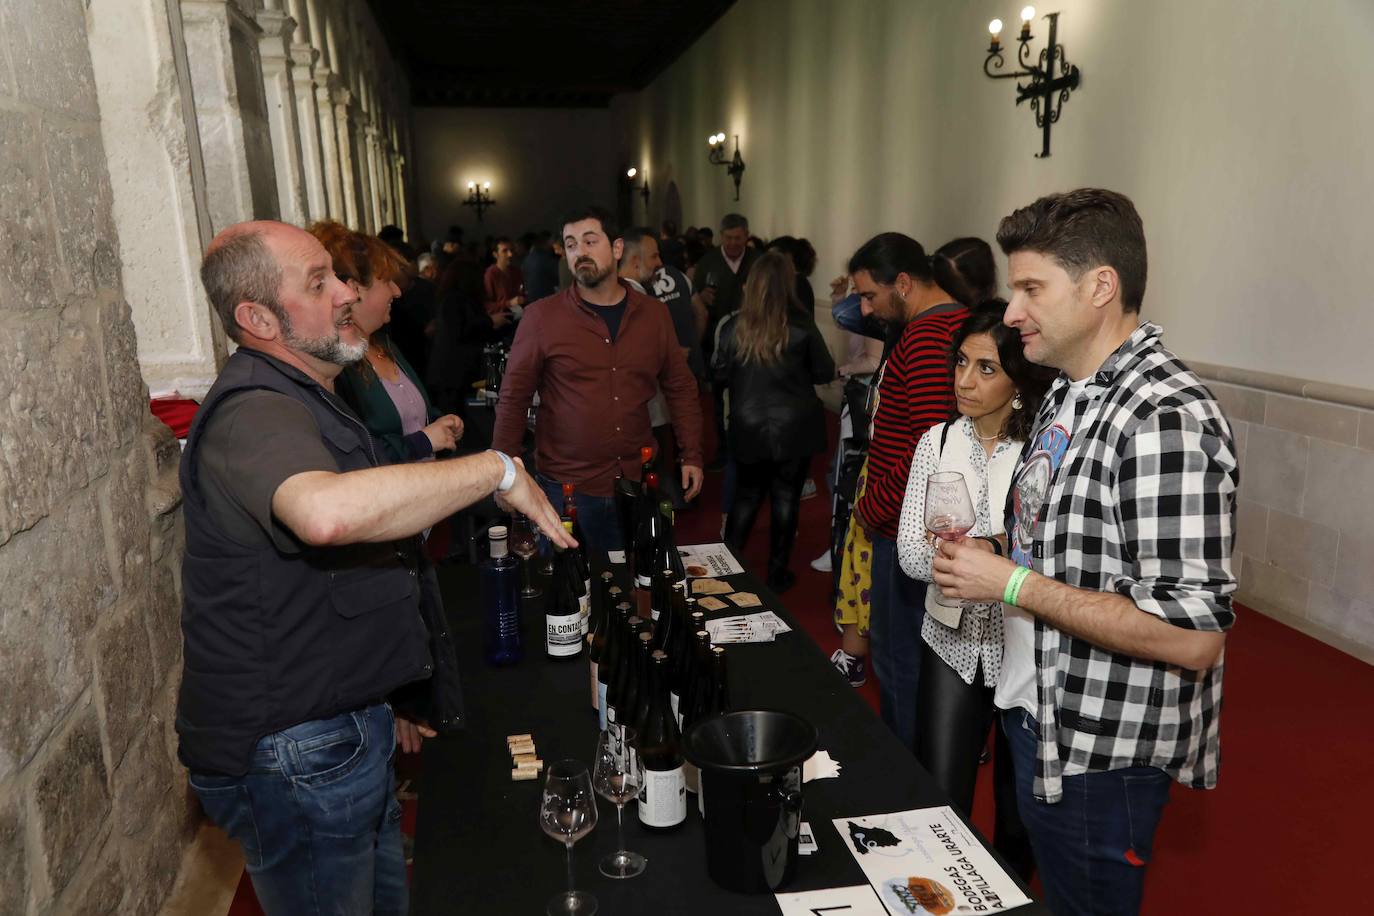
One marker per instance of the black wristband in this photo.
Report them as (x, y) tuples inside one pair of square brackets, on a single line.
[(996, 544)]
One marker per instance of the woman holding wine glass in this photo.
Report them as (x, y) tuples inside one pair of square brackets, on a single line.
[(960, 476)]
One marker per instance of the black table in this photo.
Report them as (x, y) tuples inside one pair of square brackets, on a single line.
[(478, 846)]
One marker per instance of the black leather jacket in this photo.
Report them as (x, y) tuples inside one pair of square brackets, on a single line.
[(774, 411)]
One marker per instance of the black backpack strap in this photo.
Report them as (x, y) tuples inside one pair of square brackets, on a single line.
[(944, 434)]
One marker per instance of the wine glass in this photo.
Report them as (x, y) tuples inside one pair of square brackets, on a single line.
[(568, 813), (616, 781), (949, 516), (523, 544)]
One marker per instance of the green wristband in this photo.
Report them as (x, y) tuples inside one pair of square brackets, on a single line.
[(1013, 590)]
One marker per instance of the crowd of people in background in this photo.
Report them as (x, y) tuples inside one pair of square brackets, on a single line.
[(1077, 619)]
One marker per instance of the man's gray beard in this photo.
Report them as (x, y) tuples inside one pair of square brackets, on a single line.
[(329, 349), (596, 277)]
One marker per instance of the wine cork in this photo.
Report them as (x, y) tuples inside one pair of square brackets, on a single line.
[(531, 757), (519, 775)]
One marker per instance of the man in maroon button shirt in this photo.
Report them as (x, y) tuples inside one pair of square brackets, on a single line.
[(503, 283), (596, 352)]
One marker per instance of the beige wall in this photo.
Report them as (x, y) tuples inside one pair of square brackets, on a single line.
[(540, 162), (1241, 129)]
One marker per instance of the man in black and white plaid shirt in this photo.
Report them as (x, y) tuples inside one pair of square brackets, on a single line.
[(1117, 591)]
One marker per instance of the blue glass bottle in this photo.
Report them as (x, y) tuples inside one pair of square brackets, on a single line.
[(502, 641)]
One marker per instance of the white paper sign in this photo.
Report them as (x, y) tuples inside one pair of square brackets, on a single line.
[(698, 560), (835, 901), (927, 861)]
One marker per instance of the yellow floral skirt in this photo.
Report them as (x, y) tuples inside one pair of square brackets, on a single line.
[(856, 569)]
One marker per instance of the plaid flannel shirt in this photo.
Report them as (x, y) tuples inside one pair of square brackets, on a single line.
[(1143, 504)]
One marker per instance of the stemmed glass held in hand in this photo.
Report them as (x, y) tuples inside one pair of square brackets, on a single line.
[(524, 543), (616, 781), (568, 813), (949, 516)]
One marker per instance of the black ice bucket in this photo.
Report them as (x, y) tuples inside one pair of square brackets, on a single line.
[(751, 780)]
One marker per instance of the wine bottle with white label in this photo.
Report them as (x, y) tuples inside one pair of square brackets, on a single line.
[(563, 613), (622, 687), (663, 788)]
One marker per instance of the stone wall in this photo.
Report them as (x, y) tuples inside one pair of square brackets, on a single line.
[(94, 813), (1305, 513)]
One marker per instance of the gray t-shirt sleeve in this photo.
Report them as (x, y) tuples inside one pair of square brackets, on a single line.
[(250, 446)]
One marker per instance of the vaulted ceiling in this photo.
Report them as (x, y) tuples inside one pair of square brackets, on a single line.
[(538, 53)]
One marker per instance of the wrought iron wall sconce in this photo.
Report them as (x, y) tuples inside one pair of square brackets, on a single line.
[(733, 167), (1047, 92), (643, 190), (479, 198)]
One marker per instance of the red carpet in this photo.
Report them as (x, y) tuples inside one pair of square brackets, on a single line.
[(1276, 836)]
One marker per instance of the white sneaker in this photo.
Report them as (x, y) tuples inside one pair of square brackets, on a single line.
[(822, 563), (808, 488)]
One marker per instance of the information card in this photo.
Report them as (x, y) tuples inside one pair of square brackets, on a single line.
[(927, 861)]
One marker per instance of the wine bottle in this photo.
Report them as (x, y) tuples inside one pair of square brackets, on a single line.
[(698, 680), (663, 792), (623, 694), (596, 641), (646, 543), (661, 602), (666, 553), (499, 577), (563, 612), (678, 647), (612, 656), (580, 552), (643, 652), (717, 701)]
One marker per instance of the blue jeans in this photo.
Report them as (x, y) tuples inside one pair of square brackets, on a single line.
[(317, 817), (596, 516), (1092, 846), (897, 607)]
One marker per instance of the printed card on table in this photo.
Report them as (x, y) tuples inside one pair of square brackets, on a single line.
[(700, 560), (834, 901), (927, 861)]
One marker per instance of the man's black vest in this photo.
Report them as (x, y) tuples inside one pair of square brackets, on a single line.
[(273, 639)]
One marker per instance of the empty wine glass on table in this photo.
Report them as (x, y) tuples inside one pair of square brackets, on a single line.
[(949, 516), (616, 781), (568, 813), (524, 543)]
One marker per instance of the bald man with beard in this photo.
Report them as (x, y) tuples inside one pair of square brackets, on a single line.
[(307, 601)]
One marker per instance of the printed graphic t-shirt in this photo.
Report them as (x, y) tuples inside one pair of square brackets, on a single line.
[(1016, 686)]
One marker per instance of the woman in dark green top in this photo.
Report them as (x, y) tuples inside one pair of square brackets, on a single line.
[(383, 388)]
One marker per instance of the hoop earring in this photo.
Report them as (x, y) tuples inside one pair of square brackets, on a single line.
[(1016, 403)]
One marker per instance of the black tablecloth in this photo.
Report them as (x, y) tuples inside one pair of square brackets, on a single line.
[(478, 846)]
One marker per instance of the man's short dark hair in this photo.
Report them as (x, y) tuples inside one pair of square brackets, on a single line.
[(734, 221), (634, 240), (1080, 230), (502, 240), (391, 235), (241, 268), (889, 254), (592, 211)]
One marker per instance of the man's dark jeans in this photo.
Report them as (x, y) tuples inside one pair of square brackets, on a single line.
[(317, 817), (596, 516), (1092, 846), (897, 607)]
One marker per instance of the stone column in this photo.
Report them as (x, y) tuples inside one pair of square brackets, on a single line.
[(231, 110), (160, 203), (274, 48), (343, 123), (374, 181), (303, 81), (330, 155)]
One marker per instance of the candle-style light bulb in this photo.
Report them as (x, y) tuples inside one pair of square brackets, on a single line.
[(472, 185), (995, 27), (1027, 14), (630, 173), (486, 185)]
